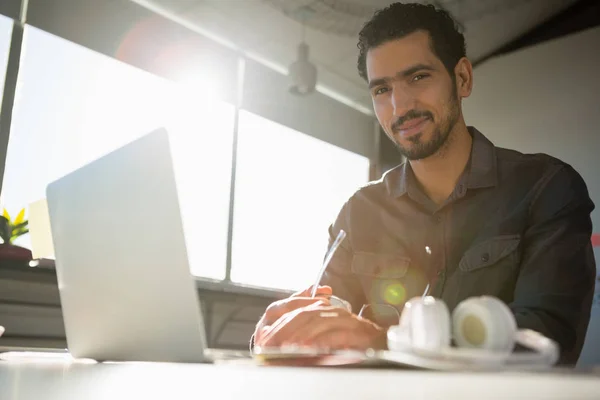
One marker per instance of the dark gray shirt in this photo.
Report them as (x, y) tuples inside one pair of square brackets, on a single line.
[(516, 227)]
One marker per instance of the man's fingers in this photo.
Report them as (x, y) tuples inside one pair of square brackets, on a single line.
[(340, 339), (321, 291), (294, 313), (260, 333), (304, 323), (298, 300), (281, 307), (320, 325), (279, 323)]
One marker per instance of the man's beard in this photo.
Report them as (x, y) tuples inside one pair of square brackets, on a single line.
[(420, 149)]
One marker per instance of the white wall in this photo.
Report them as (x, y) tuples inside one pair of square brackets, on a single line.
[(546, 99)]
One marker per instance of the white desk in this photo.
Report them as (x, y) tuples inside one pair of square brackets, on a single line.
[(67, 381)]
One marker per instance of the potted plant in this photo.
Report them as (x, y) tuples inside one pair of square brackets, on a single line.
[(9, 231)]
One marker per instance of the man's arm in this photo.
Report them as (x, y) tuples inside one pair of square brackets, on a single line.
[(555, 286)]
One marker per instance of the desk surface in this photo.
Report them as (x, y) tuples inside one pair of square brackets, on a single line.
[(52, 380)]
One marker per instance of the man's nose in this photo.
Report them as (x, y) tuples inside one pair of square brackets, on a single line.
[(402, 102)]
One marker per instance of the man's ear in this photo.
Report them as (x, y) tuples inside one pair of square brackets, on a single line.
[(464, 77)]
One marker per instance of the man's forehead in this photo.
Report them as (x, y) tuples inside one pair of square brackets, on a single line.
[(398, 54)]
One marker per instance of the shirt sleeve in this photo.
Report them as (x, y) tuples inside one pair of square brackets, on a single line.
[(339, 274), (555, 286)]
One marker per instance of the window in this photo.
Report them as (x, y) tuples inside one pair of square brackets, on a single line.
[(74, 105), (5, 35), (289, 189)]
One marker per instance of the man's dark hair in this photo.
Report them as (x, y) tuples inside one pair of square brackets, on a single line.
[(399, 20)]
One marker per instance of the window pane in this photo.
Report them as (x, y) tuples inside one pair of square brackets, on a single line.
[(289, 189), (5, 34), (74, 105)]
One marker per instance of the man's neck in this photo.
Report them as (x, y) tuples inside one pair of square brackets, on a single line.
[(439, 174)]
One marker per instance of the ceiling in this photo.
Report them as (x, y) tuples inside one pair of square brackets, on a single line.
[(270, 30)]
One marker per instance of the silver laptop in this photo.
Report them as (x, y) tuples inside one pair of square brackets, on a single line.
[(125, 285)]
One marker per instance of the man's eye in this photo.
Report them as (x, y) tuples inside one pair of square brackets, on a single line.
[(380, 90), (419, 77)]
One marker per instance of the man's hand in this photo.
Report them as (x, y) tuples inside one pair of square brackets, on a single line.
[(279, 308), (322, 326)]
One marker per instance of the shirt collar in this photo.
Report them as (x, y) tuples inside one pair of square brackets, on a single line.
[(396, 180), (481, 171)]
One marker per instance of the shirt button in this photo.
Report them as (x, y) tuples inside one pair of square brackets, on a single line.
[(437, 219), (485, 257)]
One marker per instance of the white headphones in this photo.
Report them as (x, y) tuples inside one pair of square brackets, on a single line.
[(483, 328)]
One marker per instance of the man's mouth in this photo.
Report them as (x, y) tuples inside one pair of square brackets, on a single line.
[(412, 127)]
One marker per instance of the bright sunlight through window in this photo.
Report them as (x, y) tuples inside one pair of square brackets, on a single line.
[(74, 105), (289, 188)]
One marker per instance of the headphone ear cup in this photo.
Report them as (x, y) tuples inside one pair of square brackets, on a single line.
[(429, 323), (484, 322), (424, 324)]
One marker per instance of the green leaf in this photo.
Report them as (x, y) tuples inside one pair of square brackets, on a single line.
[(19, 229), (17, 234), (21, 225)]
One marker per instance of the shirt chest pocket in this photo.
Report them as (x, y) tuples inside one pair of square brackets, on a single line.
[(491, 267), (499, 249), (387, 278)]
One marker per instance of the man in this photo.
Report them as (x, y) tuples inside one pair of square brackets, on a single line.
[(461, 216)]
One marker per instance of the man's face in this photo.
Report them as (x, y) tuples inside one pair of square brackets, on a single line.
[(414, 96)]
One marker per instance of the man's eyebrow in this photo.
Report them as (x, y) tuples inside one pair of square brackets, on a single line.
[(402, 74)]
